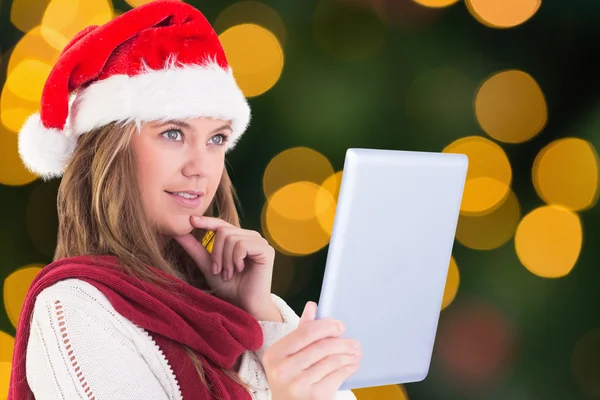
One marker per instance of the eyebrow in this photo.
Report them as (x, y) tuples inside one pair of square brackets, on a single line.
[(185, 125)]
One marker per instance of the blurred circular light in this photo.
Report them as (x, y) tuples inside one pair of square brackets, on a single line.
[(12, 170), (27, 14), (255, 56), (489, 175), (387, 392), (291, 219), (511, 107), (452, 283), (137, 3), (565, 172), (295, 165), (548, 241), (32, 46), (7, 344), (327, 198), (5, 370), (28, 78), (503, 13), (63, 19), (475, 347), (491, 230), (586, 363), (436, 3), (251, 12), (16, 286), (42, 216), (348, 32)]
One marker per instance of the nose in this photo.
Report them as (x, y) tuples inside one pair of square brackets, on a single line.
[(197, 162)]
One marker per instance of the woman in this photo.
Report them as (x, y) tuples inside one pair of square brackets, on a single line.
[(135, 306)]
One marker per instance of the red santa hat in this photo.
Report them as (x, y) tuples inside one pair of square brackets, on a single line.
[(159, 61)]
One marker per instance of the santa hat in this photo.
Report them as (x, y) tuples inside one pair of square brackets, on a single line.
[(159, 61)]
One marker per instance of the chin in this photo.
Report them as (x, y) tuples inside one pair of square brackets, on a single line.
[(177, 226)]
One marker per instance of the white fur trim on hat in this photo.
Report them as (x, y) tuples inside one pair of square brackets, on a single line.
[(44, 151), (170, 93)]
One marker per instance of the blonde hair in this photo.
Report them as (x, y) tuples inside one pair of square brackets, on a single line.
[(99, 214)]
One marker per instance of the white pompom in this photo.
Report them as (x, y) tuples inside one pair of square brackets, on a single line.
[(45, 151)]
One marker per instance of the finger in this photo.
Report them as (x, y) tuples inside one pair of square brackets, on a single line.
[(218, 244), (307, 333), (310, 312), (229, 245), (320, 349), (195, 249), (329, 374), (210, 223), (238, 255)]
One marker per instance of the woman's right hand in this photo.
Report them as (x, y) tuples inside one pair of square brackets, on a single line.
[(311, 362)]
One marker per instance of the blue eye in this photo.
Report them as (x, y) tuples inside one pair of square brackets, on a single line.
[(173, 134), (218, 139)]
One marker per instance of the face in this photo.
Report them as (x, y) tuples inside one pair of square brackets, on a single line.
[(179, 167)]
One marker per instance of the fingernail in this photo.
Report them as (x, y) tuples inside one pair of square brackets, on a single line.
[(196, 218), (214, 268), (341, 327)]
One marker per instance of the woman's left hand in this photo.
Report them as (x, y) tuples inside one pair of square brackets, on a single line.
[(240, 268)]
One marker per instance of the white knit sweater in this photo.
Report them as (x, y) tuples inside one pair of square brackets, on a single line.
[(81, 348)]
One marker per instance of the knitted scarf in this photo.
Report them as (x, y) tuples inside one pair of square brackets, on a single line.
[(217, 331)]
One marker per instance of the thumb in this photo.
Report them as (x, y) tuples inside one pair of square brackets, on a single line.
[(309, 313)]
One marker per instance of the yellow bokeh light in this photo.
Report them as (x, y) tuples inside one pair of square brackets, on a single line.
[(295, 165), (7, 344), (503, 13), (491, 230), (16, 286), (291, 219), (510, 107), (436, 3), (28, 78), (548, 241), (489, 175), (387, 392), (26, 14), (253, 12), (5, 370), (63, 19), (586, 363), (12, 170), (452, 283), (565, 172), (255, 56), (327, 197), (14, 109), (137, 3)]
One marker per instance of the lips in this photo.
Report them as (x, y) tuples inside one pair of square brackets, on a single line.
[(187, 198)]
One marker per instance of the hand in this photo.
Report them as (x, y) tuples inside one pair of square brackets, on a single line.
[(240, 268), (311, 362)]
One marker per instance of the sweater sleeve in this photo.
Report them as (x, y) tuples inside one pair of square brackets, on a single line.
[(79, 349)]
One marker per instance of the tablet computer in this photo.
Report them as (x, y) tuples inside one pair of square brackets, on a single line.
[(388, 258)]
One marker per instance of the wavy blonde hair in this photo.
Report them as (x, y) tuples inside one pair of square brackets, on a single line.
[(99, 214)]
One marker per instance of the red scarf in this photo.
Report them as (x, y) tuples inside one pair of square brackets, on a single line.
[(216, 330)]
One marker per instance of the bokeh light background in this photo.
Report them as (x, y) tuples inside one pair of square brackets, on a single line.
[(511, 83)]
